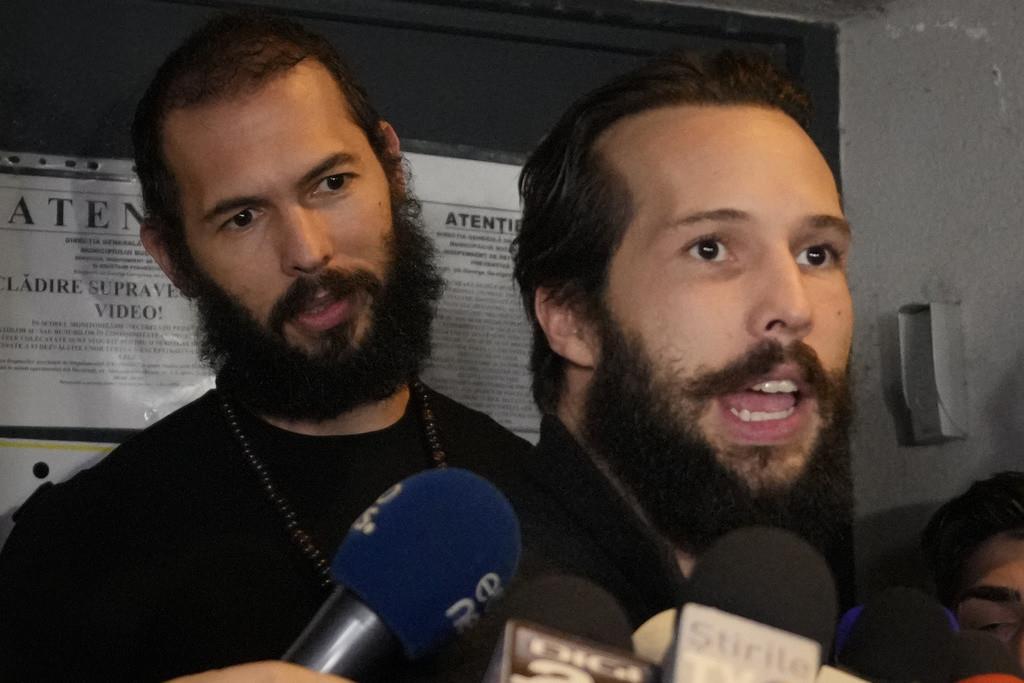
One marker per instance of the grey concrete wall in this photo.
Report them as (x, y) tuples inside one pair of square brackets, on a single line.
[(805, 10), (932, 102)]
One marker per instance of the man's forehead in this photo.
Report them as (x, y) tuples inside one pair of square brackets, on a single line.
[(685, 159), (999, 549), (692, 125), (303, 97), (306, 79), (999, 559)]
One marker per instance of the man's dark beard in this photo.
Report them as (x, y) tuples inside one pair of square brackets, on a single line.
[(257, 366), (632, 422)]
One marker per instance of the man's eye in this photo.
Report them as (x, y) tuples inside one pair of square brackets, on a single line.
[(709, 250), (242, 218), (333, 183), (1004, 631), (817, 256)]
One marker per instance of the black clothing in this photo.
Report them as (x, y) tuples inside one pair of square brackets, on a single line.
[(166, 558), (575, 522)]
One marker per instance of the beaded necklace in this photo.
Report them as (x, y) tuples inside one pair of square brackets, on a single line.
[(299, 536)]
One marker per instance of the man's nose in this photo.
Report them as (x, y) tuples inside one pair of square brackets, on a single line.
[(305, 242), (780, 308)]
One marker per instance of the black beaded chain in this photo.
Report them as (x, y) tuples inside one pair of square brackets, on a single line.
[(302, 540)]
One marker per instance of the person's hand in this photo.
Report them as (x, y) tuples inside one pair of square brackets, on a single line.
[(261, 672)]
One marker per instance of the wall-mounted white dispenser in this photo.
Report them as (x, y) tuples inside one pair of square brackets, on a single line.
[(932, 371)]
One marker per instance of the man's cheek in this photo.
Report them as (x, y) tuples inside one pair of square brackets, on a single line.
[(706, 422)]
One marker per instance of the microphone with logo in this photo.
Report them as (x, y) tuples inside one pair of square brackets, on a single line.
[(762, 608), (566, 629), (419, 566)]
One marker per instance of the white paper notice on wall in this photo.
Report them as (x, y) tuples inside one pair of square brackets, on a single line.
[(92, 334), (481, 335)]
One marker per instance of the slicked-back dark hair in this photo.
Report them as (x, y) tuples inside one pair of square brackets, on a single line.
[(227, 56), (989, 507), (576, 209)]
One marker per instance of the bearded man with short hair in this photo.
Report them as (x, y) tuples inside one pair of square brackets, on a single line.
[(682, 259), (276, 199)]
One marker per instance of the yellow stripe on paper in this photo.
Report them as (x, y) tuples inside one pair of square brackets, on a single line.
[(58, 446)]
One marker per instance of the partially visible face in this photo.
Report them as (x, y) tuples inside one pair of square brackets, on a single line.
[(280, 185), (737, 240), (993, 586), (720, 397), (314, 279)]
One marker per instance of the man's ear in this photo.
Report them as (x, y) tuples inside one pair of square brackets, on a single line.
[(570, 334), (153, 240), (393, 150)]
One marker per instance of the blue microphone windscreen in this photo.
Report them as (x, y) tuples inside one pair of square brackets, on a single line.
[(845, 625), (429, 555)]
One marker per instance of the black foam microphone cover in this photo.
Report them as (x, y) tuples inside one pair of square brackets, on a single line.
[(901, 635), (770, 576), (572, 605), (976, 653), (564, 628)]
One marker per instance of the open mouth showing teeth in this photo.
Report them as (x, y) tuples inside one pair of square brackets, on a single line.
[(318, 306), (776, 386), (761, 416), (784, 396), (323, 312)]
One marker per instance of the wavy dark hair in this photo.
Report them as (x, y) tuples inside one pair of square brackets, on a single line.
[(576, 209), (230, 54), (989, 507)]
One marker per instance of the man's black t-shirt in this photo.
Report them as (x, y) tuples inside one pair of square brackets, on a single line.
[(167, 558)]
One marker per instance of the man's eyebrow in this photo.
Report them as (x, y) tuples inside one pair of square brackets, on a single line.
[(829, 221), (233, 204), (725, 215), (990, 593), (737, 215), (327, 164)]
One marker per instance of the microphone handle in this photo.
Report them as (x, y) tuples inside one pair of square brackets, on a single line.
[(344, 638)]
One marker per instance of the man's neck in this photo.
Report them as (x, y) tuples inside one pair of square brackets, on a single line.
[(368, 417), (686, 561)]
